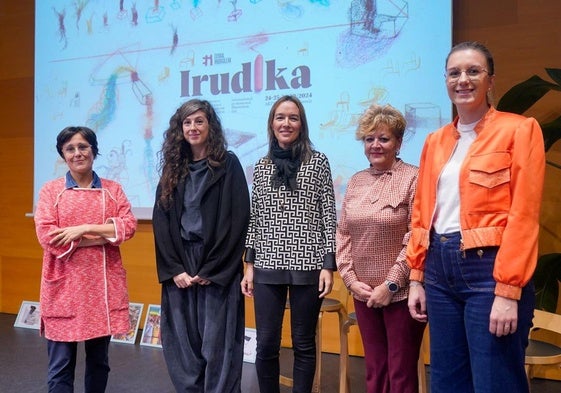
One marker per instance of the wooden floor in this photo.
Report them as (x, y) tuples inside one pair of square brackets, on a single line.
[(141, 369)]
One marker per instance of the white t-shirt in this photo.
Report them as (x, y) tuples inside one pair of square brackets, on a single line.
[(447, 215)]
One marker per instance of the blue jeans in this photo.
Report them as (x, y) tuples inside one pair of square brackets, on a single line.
[(465, 356)]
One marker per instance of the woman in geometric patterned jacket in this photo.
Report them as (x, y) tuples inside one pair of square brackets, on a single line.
[(290, 246), (81, 220)]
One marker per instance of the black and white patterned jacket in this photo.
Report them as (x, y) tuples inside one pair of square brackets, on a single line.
[(293, 230)]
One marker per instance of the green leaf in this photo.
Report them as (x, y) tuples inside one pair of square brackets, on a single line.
[(551, 132), (525, 94), (554, 74), (546, 280)]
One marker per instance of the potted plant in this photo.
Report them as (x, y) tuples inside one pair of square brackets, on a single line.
[(518, 100)]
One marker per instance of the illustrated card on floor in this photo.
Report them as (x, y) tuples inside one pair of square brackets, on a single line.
[(29, 315), (135, 312)]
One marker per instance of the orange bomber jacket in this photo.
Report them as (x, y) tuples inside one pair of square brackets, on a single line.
[(501, 183)]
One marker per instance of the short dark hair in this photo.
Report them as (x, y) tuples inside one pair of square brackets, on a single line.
[(67, 133)]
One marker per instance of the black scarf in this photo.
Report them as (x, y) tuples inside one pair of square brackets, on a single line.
[(286, 167)]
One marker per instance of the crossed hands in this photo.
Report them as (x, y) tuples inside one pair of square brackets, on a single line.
[(183, 280), (376, 297)]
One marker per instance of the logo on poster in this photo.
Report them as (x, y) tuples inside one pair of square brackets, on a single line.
[(271, 79)]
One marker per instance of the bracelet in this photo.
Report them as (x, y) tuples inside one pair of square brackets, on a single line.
[(415, 284)]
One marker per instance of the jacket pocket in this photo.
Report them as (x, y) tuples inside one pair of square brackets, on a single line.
[(117, 289), (56, 299), (489, 182)]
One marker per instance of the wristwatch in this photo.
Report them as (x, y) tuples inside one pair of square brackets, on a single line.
[(392, 286)]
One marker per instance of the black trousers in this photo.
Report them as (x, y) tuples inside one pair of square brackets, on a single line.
[(270, 302), (202, 330), (62, 364)]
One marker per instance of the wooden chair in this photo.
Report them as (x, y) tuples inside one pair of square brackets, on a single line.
[(344, 366), (421, 368), (335, 302), (541, 352)]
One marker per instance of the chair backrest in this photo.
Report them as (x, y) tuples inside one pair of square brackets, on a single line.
[(339, 290), (547, 320), (543, 350)]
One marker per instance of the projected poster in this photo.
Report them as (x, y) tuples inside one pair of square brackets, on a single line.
[(123, 67)]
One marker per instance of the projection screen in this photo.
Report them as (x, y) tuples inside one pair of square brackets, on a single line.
[(123, 67)]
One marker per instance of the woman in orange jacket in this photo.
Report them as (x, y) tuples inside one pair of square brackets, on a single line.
[(473, 245)]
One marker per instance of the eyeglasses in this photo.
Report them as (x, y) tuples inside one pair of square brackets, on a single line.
[(453, 74), (71, 149)]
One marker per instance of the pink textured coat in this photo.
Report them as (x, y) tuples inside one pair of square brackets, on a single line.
[(83, 289)]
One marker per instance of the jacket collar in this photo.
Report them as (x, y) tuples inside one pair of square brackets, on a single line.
[(71, 183), (489, 115)]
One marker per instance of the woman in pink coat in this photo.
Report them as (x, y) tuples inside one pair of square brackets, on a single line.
[(80, 221)]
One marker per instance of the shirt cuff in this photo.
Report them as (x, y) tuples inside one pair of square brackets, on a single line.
[(249, 256), (508, 291), (417, 275), (349, 278), (329, 262)]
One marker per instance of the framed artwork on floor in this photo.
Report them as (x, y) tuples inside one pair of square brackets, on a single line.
[(135, 312), (151, 331), (250, 345), (29, 315)]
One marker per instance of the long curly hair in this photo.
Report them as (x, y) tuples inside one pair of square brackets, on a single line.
[(301, 148), (176, 152)]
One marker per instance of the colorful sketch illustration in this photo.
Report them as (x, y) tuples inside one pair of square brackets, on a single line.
[(151, 332), (135, 312), (120, 67), (374, 27), (29, 315)]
